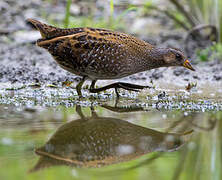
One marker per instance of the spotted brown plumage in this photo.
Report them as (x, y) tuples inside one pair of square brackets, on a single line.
[(104, 54)]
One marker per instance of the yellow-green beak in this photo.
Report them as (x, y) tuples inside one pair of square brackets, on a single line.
[(187, 65)]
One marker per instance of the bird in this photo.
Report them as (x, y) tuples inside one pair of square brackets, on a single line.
[(101, 54)]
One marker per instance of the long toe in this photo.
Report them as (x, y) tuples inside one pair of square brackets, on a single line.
[(128, 88), (132, 86)]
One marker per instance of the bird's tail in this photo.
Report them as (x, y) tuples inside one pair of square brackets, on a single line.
[(45, 30)]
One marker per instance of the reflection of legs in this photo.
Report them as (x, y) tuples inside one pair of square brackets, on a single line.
[(79, 86), (126, 86), (79, 111), (93, 112)]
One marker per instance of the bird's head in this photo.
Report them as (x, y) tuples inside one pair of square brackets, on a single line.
[(175, 57)]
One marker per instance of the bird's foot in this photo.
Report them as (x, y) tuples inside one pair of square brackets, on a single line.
[(117, 85)]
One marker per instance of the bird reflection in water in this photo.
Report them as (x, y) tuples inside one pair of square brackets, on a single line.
[(98, 141)]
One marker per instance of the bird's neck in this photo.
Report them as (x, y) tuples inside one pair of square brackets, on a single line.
[(152, 59)]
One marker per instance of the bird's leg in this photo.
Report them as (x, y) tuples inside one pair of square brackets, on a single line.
[(79, 86), (92, 86), (126, 86)]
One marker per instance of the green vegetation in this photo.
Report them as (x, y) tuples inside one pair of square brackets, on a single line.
[(211, 53), (90, 21), (197, 12), (67, 16)]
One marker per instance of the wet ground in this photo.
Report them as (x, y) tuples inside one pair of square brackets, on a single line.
[(171, 131)]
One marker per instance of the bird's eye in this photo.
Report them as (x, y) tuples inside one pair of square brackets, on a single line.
[(178, 56)]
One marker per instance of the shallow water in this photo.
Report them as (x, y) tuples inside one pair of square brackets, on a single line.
[(121, 141)]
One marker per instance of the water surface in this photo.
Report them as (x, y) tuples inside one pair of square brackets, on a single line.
[(125, 141)]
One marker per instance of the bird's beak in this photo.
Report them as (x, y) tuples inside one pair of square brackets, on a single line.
[(187, 65)]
